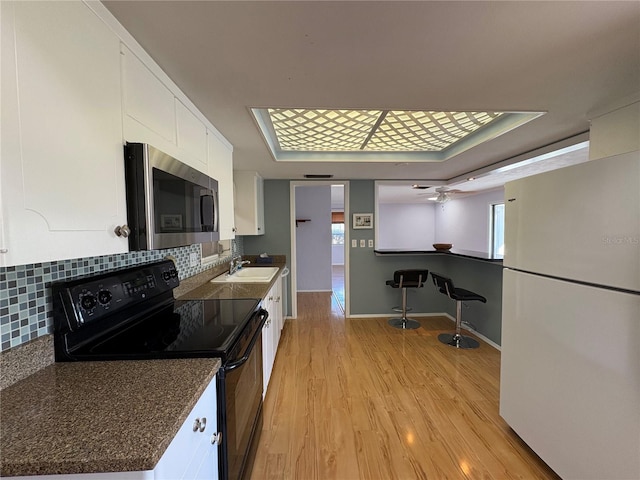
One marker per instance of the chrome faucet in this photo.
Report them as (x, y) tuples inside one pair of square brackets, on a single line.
[(236, 264)]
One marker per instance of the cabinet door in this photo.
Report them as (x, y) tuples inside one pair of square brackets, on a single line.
[(192, 138), (191, 454), (267, 354), (149, 106), (249, 203), (279, 319), (259, 206), (221, 168), (62, 167), (270, 336)]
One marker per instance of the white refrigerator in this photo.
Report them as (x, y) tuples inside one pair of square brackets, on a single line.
[(570, 372)]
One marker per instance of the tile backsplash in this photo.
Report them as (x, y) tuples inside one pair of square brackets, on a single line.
[(25, 295)]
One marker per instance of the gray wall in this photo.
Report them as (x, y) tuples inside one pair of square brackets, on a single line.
[(277, 237), (369, 294)]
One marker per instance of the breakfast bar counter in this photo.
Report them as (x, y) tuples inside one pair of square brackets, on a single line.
[(483, 256)]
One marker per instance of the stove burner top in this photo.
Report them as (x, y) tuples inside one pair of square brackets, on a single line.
[(142, 320)]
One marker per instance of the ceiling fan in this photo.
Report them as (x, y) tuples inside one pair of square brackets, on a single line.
[(443, 194)]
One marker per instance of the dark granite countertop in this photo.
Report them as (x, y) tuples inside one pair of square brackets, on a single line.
[(85, 417), (487, 257)]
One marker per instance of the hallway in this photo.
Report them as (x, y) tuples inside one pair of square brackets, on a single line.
[(356, 399), (337, 285)]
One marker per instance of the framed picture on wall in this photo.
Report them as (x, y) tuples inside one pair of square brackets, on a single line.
[(362, 220)]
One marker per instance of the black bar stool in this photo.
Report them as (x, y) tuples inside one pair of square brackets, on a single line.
[(445, 286), (407, 279)]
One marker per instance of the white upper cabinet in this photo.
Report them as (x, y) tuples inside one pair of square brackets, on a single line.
[(62, 170), (249, 201), (154, 115), (220, 157), (192, 137), (149, 106), (76, 86)]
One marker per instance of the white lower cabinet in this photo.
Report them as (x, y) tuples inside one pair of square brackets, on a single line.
[(271, 331), (191, 455)]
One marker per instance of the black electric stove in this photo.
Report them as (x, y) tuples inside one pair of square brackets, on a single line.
[(131, 314)]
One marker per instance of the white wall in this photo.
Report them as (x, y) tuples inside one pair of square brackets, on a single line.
[(465, 222), (406, 226), (313, 239)]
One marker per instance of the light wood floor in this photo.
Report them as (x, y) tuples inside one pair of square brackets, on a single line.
[(356, 399)]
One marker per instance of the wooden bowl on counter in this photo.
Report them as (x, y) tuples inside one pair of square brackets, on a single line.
[(442, 246)]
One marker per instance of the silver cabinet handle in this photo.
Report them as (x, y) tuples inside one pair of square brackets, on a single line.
[(200, 425), (216, 438), (122, 231)]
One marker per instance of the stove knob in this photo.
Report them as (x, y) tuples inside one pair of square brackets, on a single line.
[(166, 276), (104, 297), (88, 302), (174, 273)]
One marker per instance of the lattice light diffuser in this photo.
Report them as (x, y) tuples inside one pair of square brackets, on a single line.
[(373, 130), (300, 134), (425, 131)]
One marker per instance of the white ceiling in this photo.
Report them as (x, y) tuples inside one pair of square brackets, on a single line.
[(569, 59)]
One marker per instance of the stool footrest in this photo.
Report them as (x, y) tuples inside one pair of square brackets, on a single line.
[(399, 309)]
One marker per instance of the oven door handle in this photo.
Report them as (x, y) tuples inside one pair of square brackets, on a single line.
[(238, 363)]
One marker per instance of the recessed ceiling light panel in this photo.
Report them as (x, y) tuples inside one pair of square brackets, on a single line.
[(299, 134)]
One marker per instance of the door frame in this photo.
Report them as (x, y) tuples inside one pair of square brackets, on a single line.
[(294, 266)]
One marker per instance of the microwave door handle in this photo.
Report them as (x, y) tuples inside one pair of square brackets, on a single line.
[(216, 212), (202, 221), (241, 361)]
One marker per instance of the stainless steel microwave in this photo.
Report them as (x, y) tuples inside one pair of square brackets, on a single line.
[(169, 204)]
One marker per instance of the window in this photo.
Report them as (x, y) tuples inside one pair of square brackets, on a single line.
[(337, 234), (497, 229)]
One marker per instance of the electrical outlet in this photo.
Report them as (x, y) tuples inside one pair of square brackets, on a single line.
[(362, 243), (193, 259), (370, 243), (354, 243)]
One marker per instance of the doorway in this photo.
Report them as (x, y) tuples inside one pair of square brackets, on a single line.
[(337, 246), (319, 237)]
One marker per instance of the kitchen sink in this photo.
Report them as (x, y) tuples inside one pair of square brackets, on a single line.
[(248, 275)]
